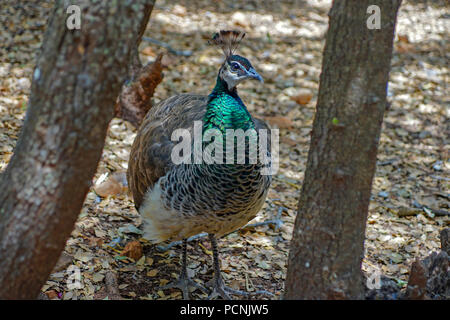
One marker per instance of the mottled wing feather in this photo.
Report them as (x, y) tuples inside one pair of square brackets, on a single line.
[(260, 124), (150, 156)]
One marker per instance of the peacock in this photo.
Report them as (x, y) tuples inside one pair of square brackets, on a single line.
[(179, 200)]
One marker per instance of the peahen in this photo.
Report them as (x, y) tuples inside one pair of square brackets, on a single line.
[(179, 200)]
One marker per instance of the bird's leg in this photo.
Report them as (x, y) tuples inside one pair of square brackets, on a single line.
[(184, 282), (219, 288)]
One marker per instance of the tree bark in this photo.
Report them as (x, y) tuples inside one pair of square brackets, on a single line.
[(328, 239), (76, 81)]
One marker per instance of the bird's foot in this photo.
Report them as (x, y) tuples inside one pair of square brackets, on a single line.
[(183, 283), (219, 289), (276, 222)]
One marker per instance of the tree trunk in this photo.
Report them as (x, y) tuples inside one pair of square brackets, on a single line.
[(76, 81), (328, 239)]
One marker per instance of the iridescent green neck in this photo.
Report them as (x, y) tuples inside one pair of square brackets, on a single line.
[(226, 110)]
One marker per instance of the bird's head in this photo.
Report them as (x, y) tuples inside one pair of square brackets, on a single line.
[(235, 68)]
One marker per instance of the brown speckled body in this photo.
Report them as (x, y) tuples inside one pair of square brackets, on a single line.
[(178, 201)]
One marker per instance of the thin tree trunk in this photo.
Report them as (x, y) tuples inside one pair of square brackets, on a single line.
[(76, 81), (328, 239)]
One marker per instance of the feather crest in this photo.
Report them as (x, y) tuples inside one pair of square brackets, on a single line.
[(228, 41)]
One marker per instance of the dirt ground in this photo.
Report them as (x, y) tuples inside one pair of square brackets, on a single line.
[(410, 197)]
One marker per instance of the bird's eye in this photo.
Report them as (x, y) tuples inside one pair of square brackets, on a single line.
[(235, 66)]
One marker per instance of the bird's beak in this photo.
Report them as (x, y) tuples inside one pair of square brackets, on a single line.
[(254, 75)]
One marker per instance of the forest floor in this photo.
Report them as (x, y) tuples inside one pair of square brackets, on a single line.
[(284, 42)]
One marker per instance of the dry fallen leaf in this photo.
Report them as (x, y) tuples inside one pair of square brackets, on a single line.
[(133, 250), (52, 294), (280, 122), (148, 51), (403, 38), (152, 273), (141, 261), (403, 47), (302, 98), (179, 10), (163, 282), (108, 188), (97, 277), (289, 141)]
